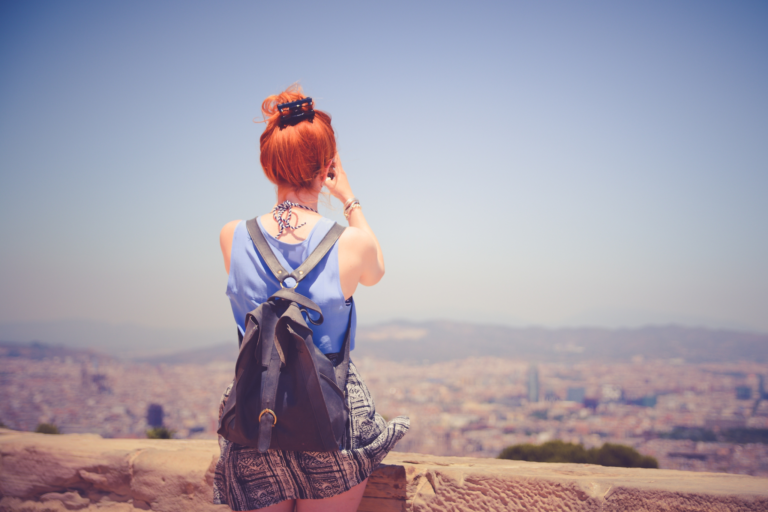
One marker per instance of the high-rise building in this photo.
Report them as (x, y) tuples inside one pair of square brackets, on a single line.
[(761, 393), (743, 392), (575, 395), (533, 384), (155, 415)]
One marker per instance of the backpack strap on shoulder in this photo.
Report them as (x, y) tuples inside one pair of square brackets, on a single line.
[(263, 248), (320, 251)]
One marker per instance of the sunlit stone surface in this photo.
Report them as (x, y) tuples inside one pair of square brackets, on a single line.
[(58, 473)]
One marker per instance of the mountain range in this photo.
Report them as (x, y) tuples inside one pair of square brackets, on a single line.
[(441, 341), (419, 342), (124, 340)]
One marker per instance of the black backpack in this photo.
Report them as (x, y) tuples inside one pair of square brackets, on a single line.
[(287, 394)]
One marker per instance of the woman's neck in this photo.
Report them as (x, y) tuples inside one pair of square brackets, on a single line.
[(304, 197)]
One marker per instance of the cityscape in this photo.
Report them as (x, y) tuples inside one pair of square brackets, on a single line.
[(689, 416)]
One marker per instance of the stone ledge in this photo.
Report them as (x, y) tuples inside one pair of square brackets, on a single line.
[(48, 473), (426, 482)]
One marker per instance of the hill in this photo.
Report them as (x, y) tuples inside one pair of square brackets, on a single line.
[(119, 340), (417, 342), (37, 350), (226, 352), (442, 341)]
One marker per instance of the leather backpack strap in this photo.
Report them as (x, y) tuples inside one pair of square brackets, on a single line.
[(267, 416), (303, 302), (325, 245), (342, 369), (262, 246)]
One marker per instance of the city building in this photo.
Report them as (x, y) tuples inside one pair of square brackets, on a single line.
[(575, 395), (155, 415), (533, 384)]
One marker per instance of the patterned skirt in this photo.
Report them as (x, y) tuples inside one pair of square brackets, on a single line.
[(246, 479)]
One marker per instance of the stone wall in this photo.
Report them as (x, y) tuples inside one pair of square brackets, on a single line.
[(58, 473)]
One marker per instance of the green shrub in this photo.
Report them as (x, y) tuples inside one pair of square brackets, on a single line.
[(160, 433), (615, 455), (47, 428), (620, 456), (551, 451)]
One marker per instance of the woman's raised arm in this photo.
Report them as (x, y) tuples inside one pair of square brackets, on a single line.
[(363, 260)]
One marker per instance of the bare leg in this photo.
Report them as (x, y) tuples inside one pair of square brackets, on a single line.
[(283, 506), (344, 502)]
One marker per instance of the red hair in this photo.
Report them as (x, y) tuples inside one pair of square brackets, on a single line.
[(294, 155)]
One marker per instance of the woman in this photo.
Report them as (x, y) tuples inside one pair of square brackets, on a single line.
[(298, 155)]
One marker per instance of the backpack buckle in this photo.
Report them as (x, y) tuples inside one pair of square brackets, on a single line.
[(270, 411)]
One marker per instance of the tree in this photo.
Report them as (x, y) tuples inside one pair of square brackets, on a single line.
[(615, 455), (47, 428)]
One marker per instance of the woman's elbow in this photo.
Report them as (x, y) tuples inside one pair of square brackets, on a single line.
[(372, 278)]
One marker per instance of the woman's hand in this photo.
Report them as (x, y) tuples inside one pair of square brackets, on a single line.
[(336, 181)]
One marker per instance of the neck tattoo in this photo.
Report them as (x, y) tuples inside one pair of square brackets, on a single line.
[(282, 215)]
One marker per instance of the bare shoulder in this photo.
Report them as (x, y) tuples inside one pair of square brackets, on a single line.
[(357, 240), (228, 230), (225, 239), (227, 234)]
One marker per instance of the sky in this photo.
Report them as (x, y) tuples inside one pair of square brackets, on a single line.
[(522, 163)]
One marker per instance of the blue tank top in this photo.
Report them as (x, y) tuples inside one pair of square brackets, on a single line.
[(252, 283)]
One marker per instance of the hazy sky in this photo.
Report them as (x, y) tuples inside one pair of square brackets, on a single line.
[(526, 163)]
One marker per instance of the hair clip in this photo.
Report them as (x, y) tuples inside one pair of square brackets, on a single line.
[(292, 113)]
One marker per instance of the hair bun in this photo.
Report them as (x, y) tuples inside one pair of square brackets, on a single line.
[(295, 156), (269, 107)]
